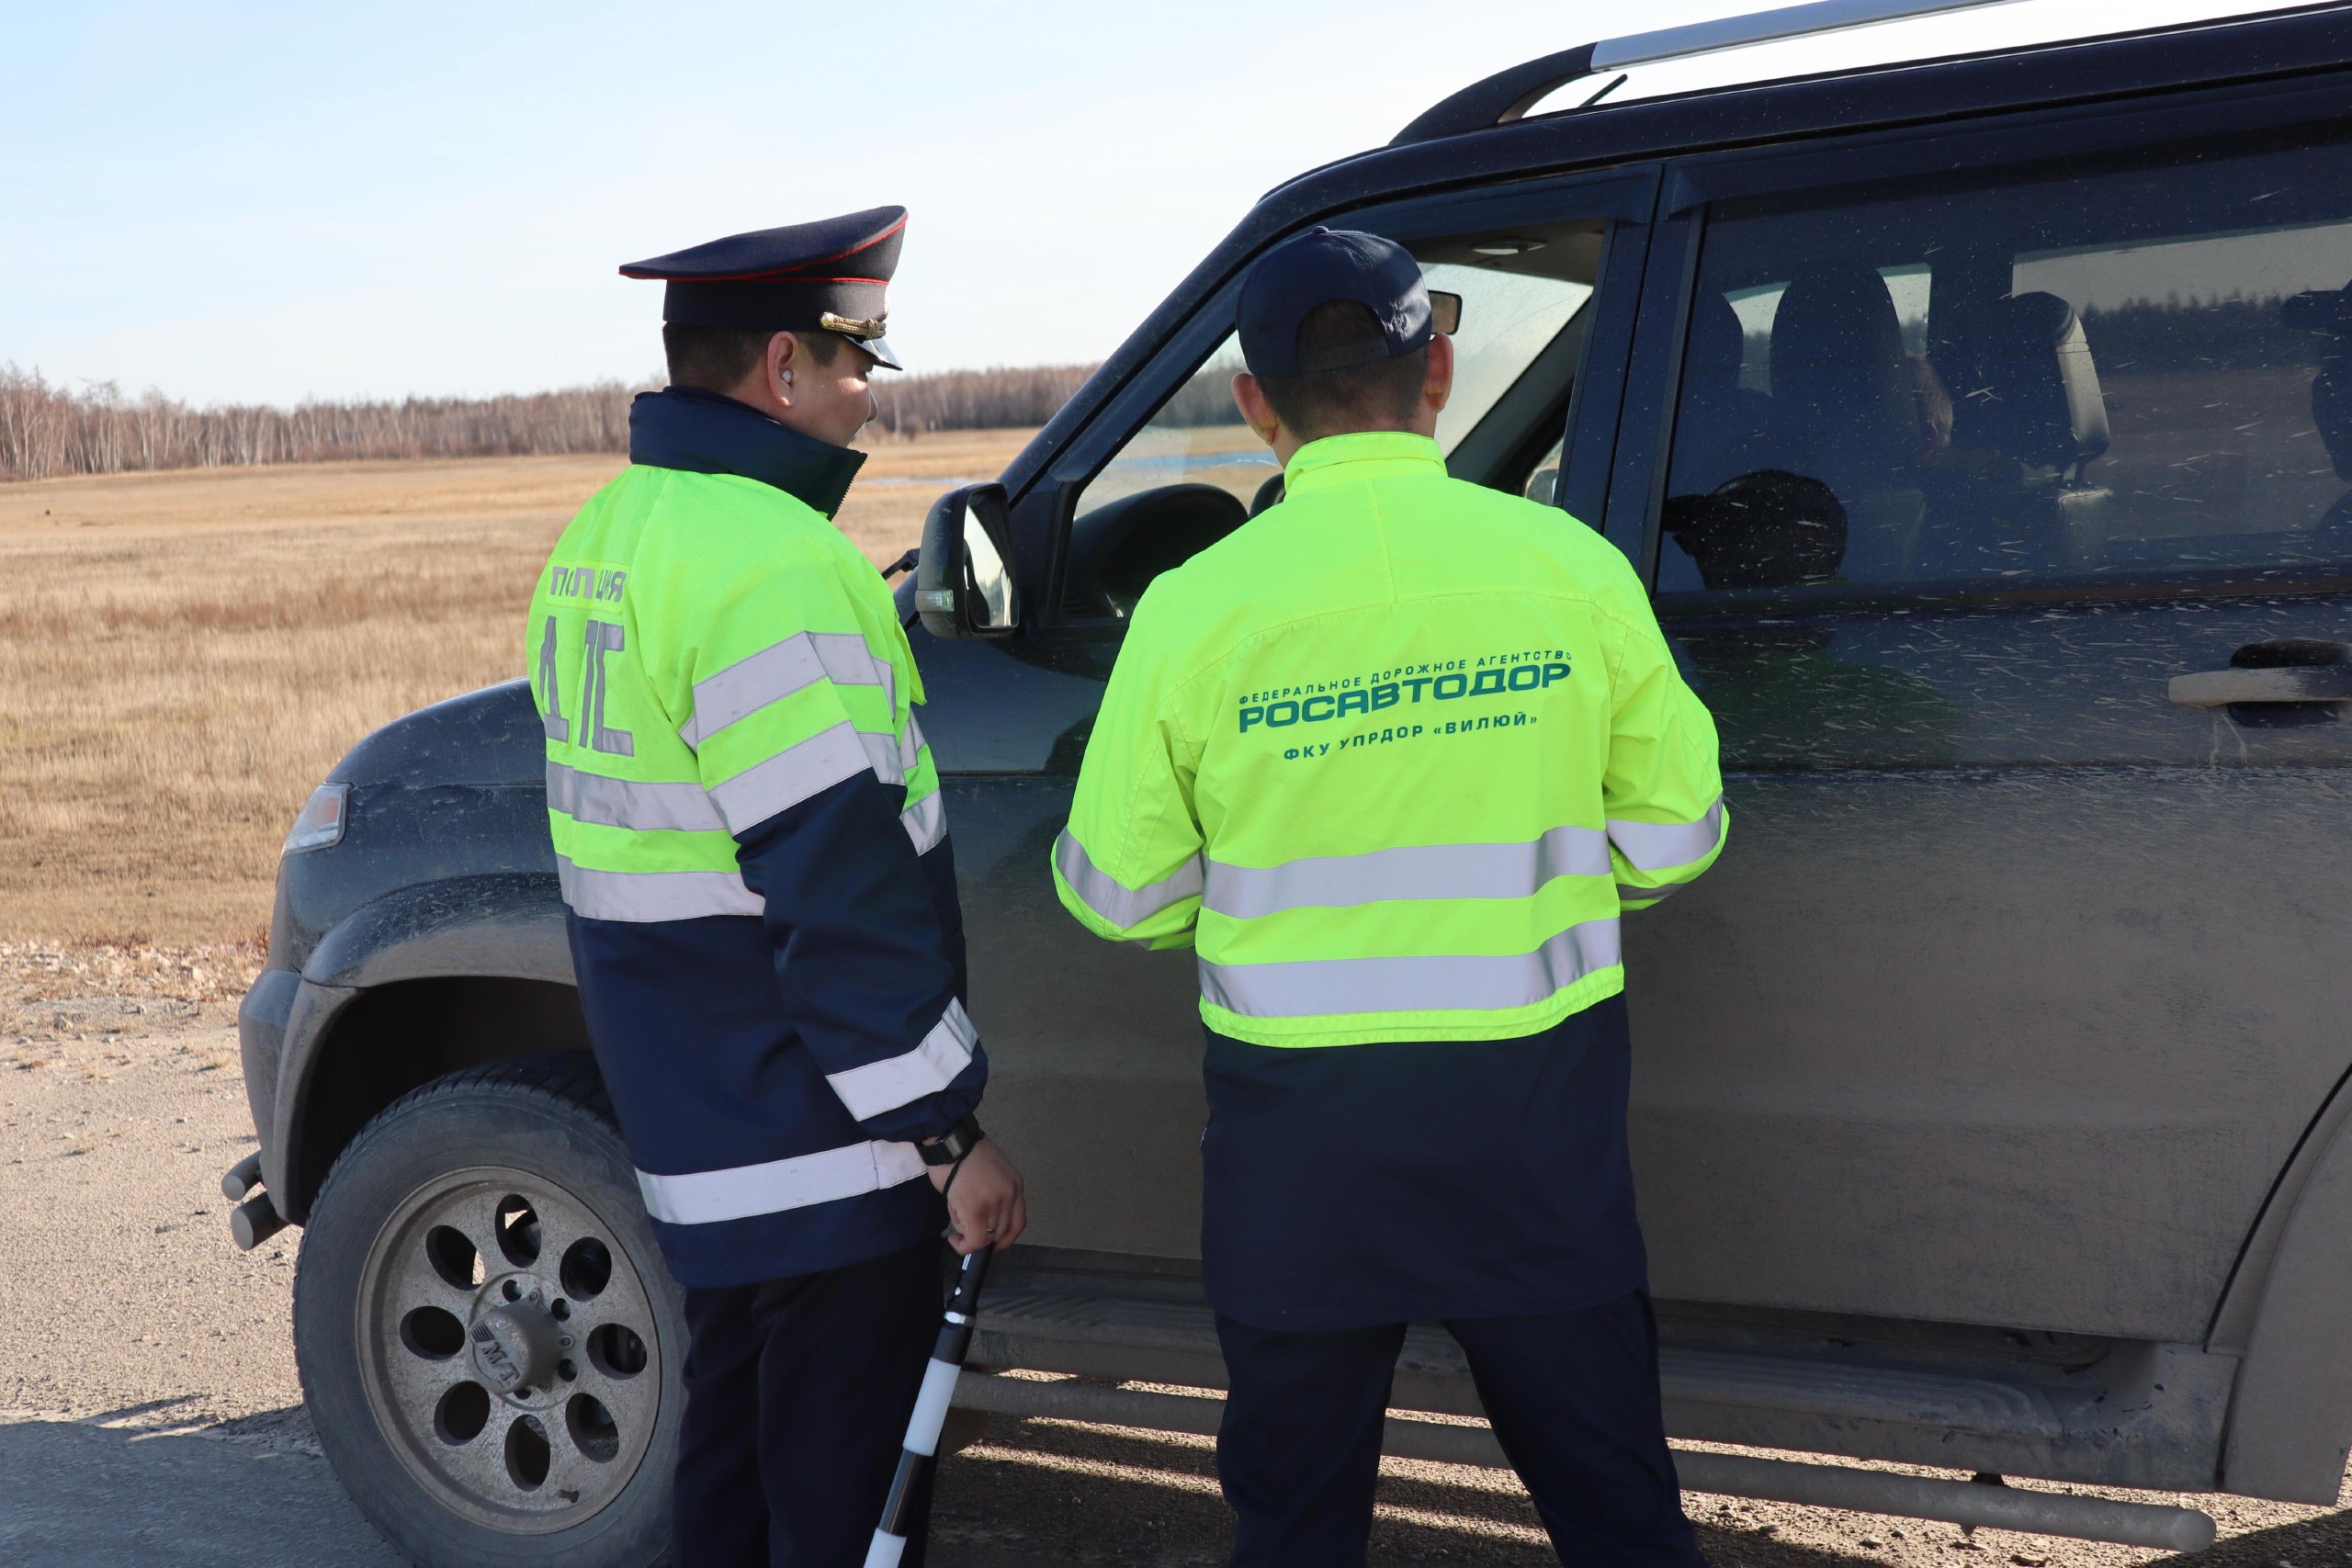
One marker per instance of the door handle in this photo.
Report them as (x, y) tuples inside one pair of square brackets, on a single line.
[(2291, 669)]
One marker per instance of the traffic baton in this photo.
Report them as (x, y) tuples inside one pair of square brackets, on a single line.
[(920, 1450)]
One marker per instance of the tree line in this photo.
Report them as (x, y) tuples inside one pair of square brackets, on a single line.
[(1002, 398), (47, 430), (2235, 333)]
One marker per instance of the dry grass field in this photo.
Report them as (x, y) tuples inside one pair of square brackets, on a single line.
[(184, 654)]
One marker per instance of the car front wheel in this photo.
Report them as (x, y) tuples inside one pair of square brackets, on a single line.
[(488, 1339)]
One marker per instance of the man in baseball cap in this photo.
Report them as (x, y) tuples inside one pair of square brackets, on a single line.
[(1393, 758)]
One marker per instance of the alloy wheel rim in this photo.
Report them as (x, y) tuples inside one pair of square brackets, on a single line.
[(508, 1350)]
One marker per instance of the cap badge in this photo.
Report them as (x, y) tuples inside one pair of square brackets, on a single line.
[(863, 328)]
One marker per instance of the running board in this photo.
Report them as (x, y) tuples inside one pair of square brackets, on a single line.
[(1964, 1503), (1175, 1342), (2146, 1416), (1141, 1341)]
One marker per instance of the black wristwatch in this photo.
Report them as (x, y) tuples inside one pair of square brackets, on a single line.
[(953, 1145)]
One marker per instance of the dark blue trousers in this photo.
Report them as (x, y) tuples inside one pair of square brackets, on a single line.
[(798, 1394), (1573, 1396), (1411, 1181)]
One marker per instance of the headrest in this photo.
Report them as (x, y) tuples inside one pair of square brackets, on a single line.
[(2328, 311), (1838, 314), (1838, 364), (2031, 390)]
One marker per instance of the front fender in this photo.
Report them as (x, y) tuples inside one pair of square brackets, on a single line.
[(505, 926), (281, 1020), (508, 924)]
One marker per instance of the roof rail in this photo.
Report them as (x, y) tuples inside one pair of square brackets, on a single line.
[(1500, 98), (1508, 94), (1762, 26)]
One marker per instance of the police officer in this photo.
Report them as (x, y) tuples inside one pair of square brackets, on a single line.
[(761, 900), (1392, 757)]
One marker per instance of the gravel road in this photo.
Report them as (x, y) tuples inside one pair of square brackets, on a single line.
[(150, 1412)]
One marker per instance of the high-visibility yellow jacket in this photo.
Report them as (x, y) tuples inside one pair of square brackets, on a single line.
[(748, 834), (1392, 757)]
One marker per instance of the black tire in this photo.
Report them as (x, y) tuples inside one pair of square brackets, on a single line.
[(545, 1122)]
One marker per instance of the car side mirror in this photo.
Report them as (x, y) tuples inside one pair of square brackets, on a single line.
[(963, 583)]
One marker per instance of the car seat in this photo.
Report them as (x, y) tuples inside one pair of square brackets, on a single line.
[(2328, 312), (2029, 398), (1720, 425), (1846, 411)]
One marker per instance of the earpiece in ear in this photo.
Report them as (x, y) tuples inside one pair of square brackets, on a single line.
[(787, 377)]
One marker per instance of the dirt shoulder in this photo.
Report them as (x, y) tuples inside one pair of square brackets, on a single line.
[(80, 991)]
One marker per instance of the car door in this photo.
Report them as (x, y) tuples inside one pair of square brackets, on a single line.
[(2023, 972), (1095, 1047)]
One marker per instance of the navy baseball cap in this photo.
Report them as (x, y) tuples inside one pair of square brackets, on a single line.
[(1323, 264)]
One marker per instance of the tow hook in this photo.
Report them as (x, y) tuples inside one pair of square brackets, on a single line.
[(254, 1219)]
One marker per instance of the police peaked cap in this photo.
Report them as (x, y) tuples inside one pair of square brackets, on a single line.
[(827, 274)]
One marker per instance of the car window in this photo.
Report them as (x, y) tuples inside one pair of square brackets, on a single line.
[(1196, 437), (1195, 472), (1543, 483), (2140, 373), (1507, 319)]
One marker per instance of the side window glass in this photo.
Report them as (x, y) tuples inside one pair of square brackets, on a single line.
[(2140, 375), (1195, 472), (1196, 437), (1191, 475), (1543, 483), (1509, 319)]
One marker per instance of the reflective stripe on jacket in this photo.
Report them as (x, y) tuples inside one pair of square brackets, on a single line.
[(748, 834), (1392, 757)]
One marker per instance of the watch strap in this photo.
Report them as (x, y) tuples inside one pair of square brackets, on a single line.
[(951, 1146)]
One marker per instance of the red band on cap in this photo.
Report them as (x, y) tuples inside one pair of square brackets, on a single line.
[(785, 275)]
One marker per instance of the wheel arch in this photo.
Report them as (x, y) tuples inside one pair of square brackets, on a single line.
[(379, 1044), (427, 980), (2287, 1315)]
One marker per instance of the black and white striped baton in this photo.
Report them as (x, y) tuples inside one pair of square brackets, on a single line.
[(920, 1450)]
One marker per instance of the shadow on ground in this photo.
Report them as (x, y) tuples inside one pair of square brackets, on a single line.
[(73, 1495), (1091, 1497), (76, 1495)]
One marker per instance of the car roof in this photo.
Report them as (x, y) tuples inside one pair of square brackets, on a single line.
[(1820, 37), (2304, 42), (1823, 39), (1855, 93)]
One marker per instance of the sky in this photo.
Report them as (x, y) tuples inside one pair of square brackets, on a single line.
[(265, 202)]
